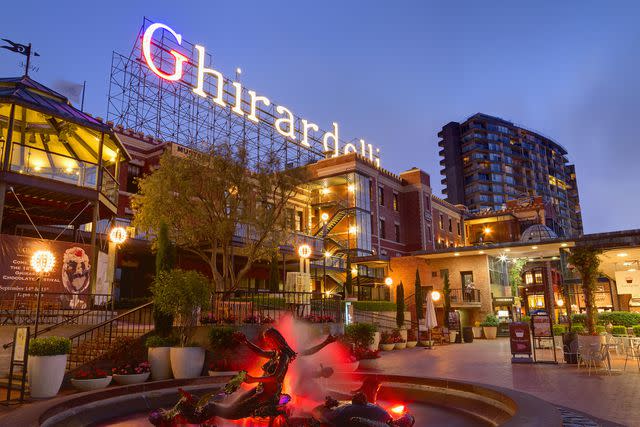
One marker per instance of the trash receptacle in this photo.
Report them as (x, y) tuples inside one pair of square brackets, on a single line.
[(467, 333)]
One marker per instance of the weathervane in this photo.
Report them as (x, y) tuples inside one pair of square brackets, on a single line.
[(22, 49)]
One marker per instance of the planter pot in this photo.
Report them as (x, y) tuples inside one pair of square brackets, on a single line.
[(400, 345), (452, 336), (347, 367), (376, 341), (131, 378), (411, 344), (369, 365), (467, 334), (490, 332), (387, 347), (570, 348), (426, 343), (93, 384), (45, 375), (160, 360), (222, 373), (187, 362), (477, 331)]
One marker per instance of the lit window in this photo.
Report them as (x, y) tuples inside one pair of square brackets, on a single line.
[(396, 205), (528, 278), (441, 222)]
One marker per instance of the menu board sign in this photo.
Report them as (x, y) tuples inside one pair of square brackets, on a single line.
[(520, 338), (541, 325)]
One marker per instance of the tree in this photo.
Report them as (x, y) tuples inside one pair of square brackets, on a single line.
[(446, 290), (419, 297), (165, 260), (586, 261), (220, 206), (400, 305), (274, 276), (515, 274)]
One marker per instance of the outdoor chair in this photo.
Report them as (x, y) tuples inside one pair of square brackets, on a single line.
[(632, 351), (595, 355), (615, 343)]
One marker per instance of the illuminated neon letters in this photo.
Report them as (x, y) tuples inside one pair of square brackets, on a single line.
[(285, 125)]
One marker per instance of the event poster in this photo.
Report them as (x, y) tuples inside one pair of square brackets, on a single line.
[(541, 324), (70, 278)]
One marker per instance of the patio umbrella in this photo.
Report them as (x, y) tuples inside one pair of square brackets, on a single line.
[(430, 320)]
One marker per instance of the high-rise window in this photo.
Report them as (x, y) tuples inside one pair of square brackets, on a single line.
[(441, 222), (381, 196), (133, 173), (397, 230), (450, 226), (298, 219), (459, 230), (383, 230), (396, 205)]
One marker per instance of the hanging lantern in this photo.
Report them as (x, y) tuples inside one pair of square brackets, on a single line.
[(118, 235)]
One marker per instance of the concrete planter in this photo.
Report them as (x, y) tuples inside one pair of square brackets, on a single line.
[(400, 345), (45, 375), (490, 332), (387, 347), (92, 384), (160, 360), (411, 344), (131, 378), (369, 365), (376, 341), (477, 332), (452, 336), (186, 362)]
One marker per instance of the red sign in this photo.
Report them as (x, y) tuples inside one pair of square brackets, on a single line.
[(70, 276), (520, 338)]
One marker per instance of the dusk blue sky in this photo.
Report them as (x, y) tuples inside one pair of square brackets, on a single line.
[(394, 74)]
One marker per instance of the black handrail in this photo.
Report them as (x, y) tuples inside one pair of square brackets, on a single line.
[(106, 322)]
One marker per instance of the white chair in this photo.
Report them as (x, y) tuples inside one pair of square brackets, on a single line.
[(632, 351)]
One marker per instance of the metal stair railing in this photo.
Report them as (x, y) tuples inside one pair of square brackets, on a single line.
[(92, 343), (381, 320)]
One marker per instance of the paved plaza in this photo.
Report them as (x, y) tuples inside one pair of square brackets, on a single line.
[(615, 398)]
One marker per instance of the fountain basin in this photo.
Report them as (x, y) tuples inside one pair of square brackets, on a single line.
[(431, 400)]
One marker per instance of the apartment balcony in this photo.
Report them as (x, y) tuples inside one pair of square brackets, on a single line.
[(465, 298)]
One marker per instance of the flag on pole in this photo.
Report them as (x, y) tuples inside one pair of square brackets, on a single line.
[(19, 48)]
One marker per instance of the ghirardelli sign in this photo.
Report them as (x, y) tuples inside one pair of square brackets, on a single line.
[(241, 101)]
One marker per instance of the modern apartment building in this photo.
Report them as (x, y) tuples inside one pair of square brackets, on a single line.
[(487, 161)]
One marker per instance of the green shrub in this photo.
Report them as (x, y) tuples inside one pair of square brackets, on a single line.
[(619, 330), (158, 341), (221, 338), (600, 329), (559, 330), (181, 293), (578, 328), (374, 305), (621, 318), (579, 318), (526, 319), (360, 334), (49, 346), (636, 330), (490, 320)]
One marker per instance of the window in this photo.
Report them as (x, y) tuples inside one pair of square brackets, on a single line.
[(459, 229), (450, 226), (381, 196), (397, 230), (467, 279), (298, 220), (133, 173), (383, 232), (441, 222), (428, 233), (396, 206)]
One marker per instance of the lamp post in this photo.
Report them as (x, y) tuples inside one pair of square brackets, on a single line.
[(117, 236), (42, 262)]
